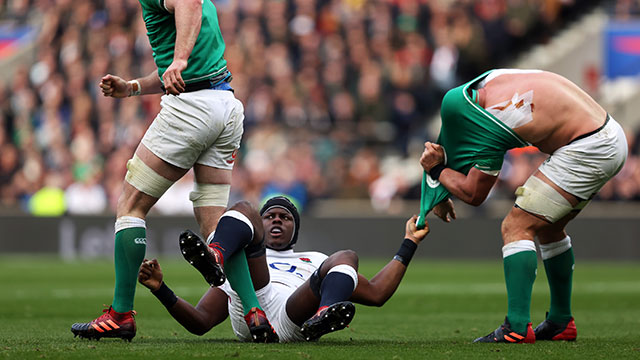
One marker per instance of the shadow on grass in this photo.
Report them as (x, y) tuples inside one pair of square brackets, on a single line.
[(321, 343)]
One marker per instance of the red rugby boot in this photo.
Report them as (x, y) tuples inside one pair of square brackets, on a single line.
[(110, 325)]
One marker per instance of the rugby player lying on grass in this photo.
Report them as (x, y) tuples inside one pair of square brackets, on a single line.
[(304, 294), (504, 109)]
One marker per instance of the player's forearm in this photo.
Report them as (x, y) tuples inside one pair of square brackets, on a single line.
[(381, 287), (188, 17), (149, 84), (197, 320), (472, 188), (191, 318), (459, 185)]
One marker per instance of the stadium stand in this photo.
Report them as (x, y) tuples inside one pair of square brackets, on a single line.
[(337, 94)]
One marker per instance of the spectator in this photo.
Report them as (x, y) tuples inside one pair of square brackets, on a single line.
[(333, 91)]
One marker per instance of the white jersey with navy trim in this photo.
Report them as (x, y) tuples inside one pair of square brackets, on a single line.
[(288, 270), (292, 269)]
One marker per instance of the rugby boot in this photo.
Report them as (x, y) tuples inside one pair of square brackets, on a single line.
[(504, 334), (206, 259), (259, 327), (550, 330), (111, 324), (328, 319)]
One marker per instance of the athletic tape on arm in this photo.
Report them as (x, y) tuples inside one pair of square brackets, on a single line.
[(538, 197), (145, 179), (210, 195)]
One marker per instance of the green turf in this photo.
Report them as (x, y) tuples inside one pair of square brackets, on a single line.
[(436, 313)]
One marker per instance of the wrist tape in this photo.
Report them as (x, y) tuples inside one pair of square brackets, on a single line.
[(406, 251), (136, 89), (166, 296), (436, 171)]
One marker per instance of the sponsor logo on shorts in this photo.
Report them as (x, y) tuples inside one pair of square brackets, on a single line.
[(233, 156), (140, 241)]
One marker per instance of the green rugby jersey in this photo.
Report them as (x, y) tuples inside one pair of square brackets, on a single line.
[(471, 137), (206, 59)]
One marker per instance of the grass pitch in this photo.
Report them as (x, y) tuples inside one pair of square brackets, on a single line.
[(440, 307)]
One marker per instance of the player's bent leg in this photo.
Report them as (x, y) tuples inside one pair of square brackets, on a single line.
[(539, 204), (544, 198), (340, 277), (333, 283), (245, 274), (240, 229), (231, 234), (520, 265), (234, 232), (147, 178), (203, 258)]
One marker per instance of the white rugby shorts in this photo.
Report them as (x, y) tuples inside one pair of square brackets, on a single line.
[(582, 167), (273, 299), (203, 127)]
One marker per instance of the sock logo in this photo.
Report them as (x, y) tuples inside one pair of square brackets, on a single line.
[(140, 241)]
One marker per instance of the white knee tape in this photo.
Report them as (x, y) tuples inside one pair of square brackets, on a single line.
[(547, 251), (145, 179), (538, 197), (210, 195), (347, 270), (518, 246)]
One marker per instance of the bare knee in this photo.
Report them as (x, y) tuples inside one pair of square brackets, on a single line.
[(508, 227), (346, 257), (552, 233), (244, 207), (133, 202), (248, 210), (519, 225)]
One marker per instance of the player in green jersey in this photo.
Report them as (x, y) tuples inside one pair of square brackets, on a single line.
[(507, 108), (199, 126)]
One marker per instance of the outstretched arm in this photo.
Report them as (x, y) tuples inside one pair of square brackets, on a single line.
[(117, 87), (210, 311), (472, 188), (378, 290)]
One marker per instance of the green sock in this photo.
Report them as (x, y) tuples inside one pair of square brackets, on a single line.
[(559, 271), (131, 244), (237, 270), (520, 273)]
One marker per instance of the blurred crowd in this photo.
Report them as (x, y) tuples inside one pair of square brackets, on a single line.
[(337, 96)]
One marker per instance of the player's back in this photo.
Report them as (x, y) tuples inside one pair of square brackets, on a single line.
[(560, 110)]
